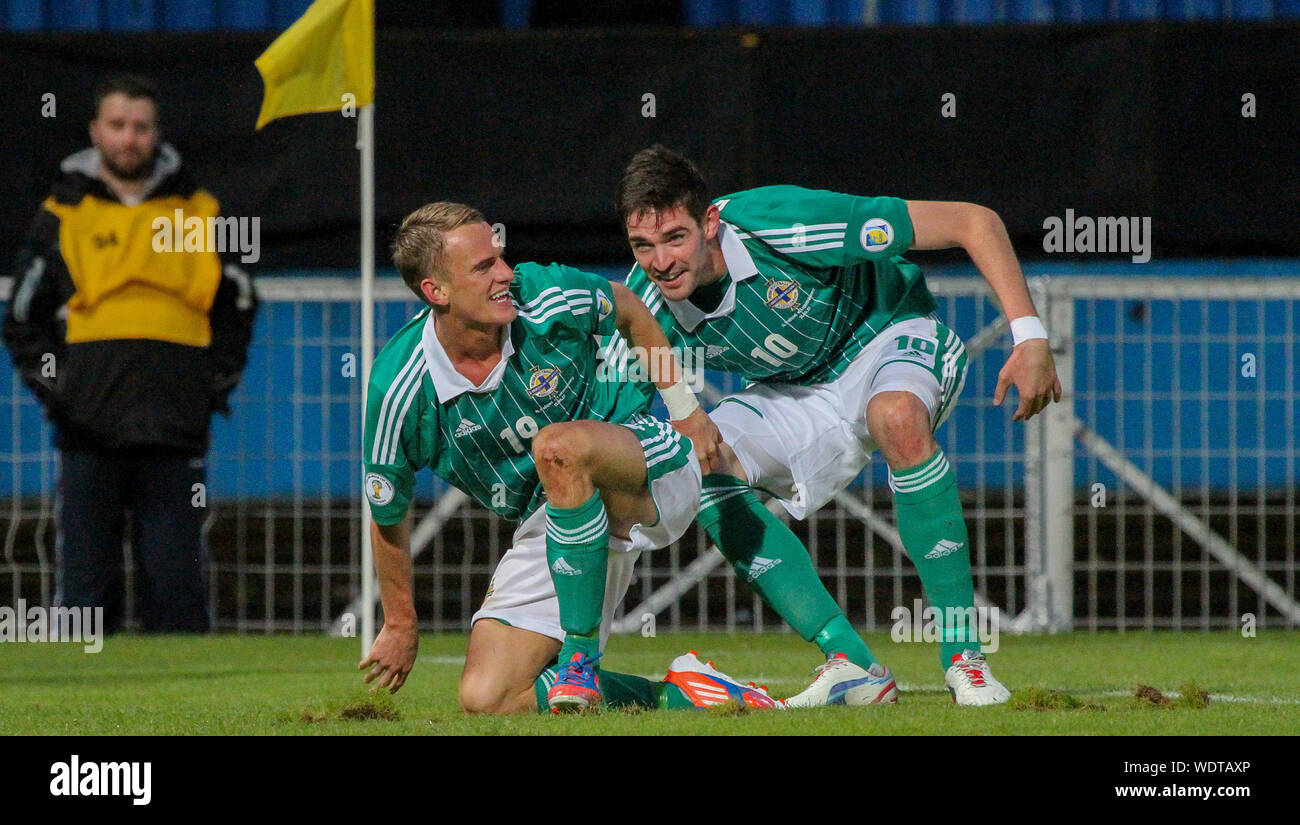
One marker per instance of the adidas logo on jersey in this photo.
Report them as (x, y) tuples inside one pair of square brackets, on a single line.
[(564, 568), (713, 351), (944, 548), (759, 566), (466, 427)]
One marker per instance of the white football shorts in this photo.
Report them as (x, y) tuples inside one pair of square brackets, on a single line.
[(521, 593), (803, 444)]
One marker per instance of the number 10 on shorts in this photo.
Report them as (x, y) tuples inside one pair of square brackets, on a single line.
[(918, 347)]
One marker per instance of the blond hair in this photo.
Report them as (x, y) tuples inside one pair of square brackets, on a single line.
[(418, 246)]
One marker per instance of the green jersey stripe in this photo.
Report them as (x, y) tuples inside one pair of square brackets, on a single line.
[(386, 404), (804, 248), (817, 227), (545, 296), (405, 387), (414, 388)]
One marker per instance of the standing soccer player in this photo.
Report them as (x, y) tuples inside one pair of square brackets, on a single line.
[(803, 292), (495, 387)]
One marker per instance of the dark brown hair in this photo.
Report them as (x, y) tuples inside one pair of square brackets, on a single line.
[(658, 180), (133, 86)]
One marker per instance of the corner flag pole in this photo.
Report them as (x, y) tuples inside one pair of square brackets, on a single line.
[(366, 143), (325, 62)]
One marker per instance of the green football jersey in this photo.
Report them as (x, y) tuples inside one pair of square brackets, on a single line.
[(812, 277), (420, 412)]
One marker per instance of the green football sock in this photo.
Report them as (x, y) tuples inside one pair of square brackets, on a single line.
[(928, 509), (542, 686), (577, 553), (622, 690), (838, 636), (768, 557)]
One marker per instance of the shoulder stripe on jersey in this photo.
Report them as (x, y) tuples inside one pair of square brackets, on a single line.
[(551, 301), (813, 248), (816, 227), (550, 313), (577, 301), (544, 295), (536, 314), (397, 413), (394, 390), (799, 240), (416, 381), (631, 272)]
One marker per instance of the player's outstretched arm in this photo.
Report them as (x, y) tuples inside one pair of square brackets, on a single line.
[(638, 325), (979, 230), (392, 655)]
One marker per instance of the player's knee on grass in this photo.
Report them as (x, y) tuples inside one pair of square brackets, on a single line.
[(483, 694), (900, 423)]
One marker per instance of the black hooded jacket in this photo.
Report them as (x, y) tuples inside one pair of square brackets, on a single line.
[(126, 346)]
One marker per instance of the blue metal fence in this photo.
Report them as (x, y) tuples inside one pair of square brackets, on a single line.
[(297, 406), (149, 15)]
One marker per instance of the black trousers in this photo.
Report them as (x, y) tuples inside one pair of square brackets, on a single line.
[(96, 490)]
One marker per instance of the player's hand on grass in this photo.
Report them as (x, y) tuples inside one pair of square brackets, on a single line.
[(391, 657), (704, 435), (1033, 372)]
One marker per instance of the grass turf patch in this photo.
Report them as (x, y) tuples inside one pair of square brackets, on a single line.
[(309, 685), (1040, 698)]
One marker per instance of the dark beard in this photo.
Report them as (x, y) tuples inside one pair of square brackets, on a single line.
[(140, 172)]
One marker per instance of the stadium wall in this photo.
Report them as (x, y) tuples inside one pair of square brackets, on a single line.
[(1117, 120)]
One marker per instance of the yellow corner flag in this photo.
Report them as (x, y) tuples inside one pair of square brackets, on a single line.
[(327, 53)]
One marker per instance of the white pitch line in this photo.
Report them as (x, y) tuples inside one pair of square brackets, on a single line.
[(1214, 697)]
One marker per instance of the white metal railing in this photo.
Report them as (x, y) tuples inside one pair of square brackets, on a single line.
[(1193, 525)]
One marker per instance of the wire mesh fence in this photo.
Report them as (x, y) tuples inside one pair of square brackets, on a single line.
[(1191, 381)]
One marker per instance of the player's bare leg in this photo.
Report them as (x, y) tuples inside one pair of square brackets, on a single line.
[(594, 474), (576, 458), (900, 423), (501, 667), (930, 522)]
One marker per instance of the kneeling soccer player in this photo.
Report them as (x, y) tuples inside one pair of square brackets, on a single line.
[(495, 387)]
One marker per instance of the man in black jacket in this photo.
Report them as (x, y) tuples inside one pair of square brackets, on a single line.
[(130, 342)]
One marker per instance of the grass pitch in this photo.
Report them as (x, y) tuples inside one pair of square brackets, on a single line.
[(1076, 684)]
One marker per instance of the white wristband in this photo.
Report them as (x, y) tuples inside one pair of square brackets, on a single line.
[(680, 400), (1027, 329)]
